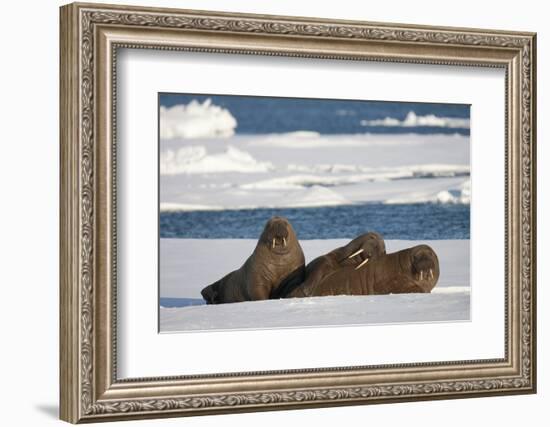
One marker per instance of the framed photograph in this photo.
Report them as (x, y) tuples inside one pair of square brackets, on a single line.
[(265, 212)]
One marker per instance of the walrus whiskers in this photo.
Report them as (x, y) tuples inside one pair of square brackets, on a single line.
[(362, 264), (356, 253)]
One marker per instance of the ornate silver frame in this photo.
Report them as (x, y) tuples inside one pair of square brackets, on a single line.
[(90, 36)]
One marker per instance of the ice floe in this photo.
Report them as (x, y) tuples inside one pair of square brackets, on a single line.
[(196, 120), (414, 120), (196, 160)]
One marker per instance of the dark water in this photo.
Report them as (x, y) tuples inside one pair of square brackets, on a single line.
[(260, 115), (419, 221), (180, 302)]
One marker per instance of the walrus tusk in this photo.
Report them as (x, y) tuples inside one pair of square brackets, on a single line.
[(273, 243), (431, 273), (356, 253), (284, 242), (362, 264), (421, 275)]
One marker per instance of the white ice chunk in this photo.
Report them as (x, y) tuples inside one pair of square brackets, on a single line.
[(196, 120), (196, 160), (413, 120)]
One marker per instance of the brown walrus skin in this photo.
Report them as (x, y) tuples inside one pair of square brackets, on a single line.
[(412, 270), (363, 248), (277, 260)]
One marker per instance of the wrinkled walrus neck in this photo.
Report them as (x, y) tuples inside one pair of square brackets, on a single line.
[(287, 266), (277, 249), (280, 265), (404, 261)]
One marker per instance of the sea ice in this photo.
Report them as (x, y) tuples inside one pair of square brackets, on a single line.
[(414, 120), (274, 171), (187, 265), (196, 120)]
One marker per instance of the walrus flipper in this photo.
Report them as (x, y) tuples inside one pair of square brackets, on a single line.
[(211, 294)]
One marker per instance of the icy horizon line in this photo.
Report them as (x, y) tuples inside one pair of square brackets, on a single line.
[(197, 120)]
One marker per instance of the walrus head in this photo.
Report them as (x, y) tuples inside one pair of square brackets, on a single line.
[(278, 236), (363, 248), (424, 266)]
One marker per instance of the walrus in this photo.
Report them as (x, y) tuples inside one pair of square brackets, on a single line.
[(277, 260), (412, 270), (356, 253)]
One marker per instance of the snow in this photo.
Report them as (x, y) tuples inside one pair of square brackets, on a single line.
[(413, 120), (188, 265), (196, 120), (317, 311), (307, 169), (370, 174), (196, 160), (181, 207), (454, 194)]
